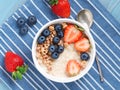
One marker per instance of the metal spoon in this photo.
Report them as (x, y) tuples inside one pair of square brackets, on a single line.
[(85, 17)]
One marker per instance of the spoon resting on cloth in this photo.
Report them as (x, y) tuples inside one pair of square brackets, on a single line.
[(85, 17)]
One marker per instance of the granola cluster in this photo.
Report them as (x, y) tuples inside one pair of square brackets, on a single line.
[(42, 51)]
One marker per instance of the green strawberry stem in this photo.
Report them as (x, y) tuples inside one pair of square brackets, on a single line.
[(20, 70), (79, 28), (53, 2)]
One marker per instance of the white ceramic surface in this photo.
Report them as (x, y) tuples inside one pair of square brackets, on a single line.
[(82, 73)]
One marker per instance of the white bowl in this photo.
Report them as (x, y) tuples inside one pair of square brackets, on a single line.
[(83, 72)]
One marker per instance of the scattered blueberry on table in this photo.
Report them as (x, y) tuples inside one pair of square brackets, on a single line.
[(20, 22), (23, 29), (31, 20)]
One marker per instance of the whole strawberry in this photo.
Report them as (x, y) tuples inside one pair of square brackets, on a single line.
[(14, 64), (60, 7)]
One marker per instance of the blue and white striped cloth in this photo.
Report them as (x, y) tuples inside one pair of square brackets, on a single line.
[(106, 33)]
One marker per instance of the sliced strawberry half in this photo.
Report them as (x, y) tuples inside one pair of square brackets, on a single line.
[(82, 45), (72, 68), (71, 34)]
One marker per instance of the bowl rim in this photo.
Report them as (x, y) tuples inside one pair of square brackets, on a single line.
[(63, 80)]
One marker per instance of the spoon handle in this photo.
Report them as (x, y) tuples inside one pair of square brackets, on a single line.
[(99, 69)]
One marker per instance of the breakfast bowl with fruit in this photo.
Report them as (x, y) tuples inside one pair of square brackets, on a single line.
[(63, 50)]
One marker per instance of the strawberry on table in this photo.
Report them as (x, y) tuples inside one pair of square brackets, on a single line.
[(72, 34), (60, 7), (82, 45), (72, 68), (14, 64)]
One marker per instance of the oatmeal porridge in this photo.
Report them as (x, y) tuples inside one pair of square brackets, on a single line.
[(63, 49)]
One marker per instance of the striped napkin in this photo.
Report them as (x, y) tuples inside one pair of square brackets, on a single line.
[(105, 31)]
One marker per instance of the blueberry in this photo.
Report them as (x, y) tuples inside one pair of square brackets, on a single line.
[(41, 39), (84, 56), (20, 22), (55, 55), (31, 20), (46, 32), (58, 27), (56, 40), (52, 48), (60, 49), (60, 34), (23, 30)]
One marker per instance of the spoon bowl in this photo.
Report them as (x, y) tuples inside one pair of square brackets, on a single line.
[(85, 16)]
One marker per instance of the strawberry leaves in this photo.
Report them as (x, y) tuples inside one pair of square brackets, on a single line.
[(22, 69), (79, 28), (19, 72), (53, 2), (16, 75)]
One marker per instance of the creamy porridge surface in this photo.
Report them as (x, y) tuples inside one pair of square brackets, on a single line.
[(59, 65)]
